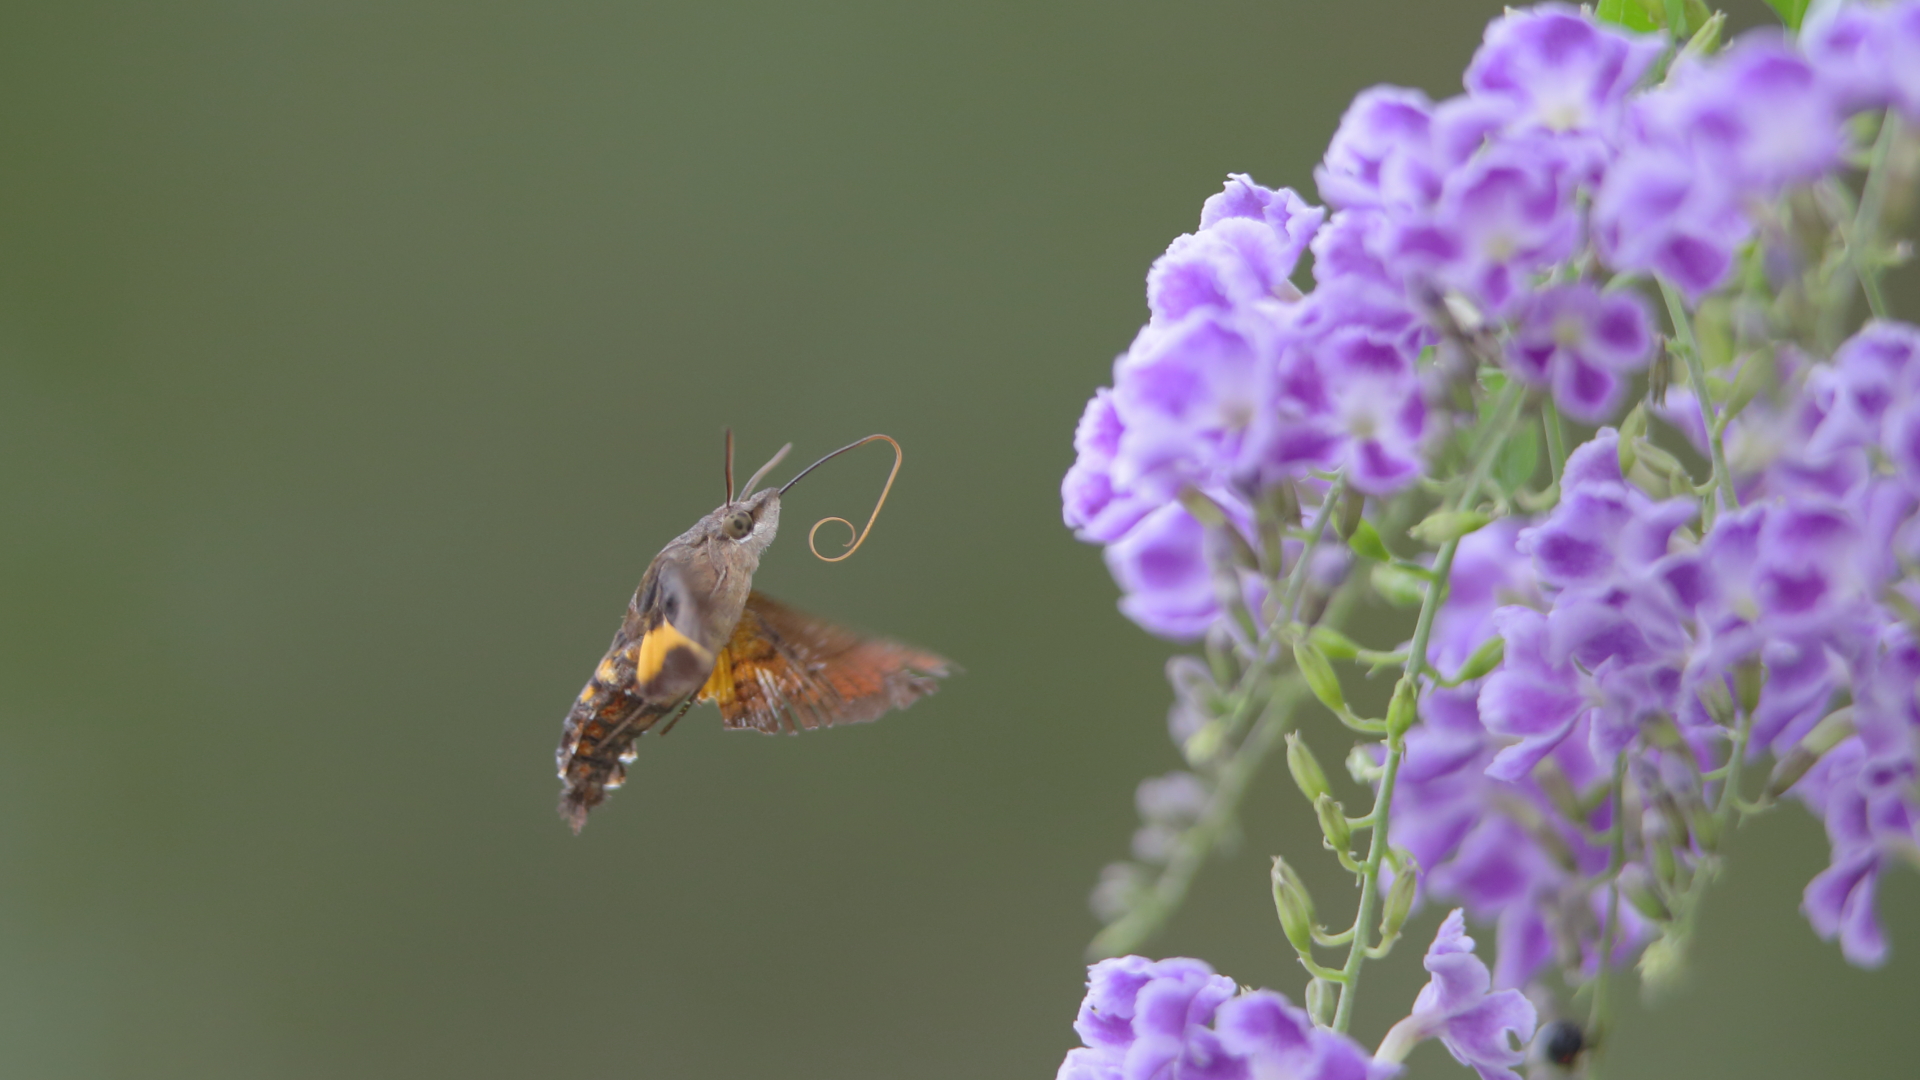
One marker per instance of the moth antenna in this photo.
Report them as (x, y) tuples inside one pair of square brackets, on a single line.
[(778, 456), (853, 545), (729, 501)]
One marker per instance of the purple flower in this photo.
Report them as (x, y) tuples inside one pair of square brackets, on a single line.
[(1347, 394), (1353, 247), (1505, 213), (1146, 1019), (1162, 567), (1277, 1040), (1485, 1029), (1778, 582), (1602, 525), (1579, 341), (1877, 371), (1186, 393), (1249, 240), (1871, 819), (1093, 507), (1660, 212), (1381, 153), (1611, 648), (1560, 70), (1488, 573), (1868, 54), (1149, 1020), (1757, 115)]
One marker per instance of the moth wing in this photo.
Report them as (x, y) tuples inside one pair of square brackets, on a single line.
[(784, 671)]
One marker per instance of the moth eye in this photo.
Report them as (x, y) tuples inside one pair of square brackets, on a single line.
[(738, 524)]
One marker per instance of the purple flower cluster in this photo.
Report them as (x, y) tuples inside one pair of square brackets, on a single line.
[(1238, 383), (1658, 638), (1449, 215), (1481, 1028), (1177, 1020), (1503, 846), (1470, 205), (1624, 632), (1825, 571)]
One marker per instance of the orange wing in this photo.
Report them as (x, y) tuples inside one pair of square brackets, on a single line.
[(783, 670)]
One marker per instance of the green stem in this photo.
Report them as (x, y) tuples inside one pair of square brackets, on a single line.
[(1616, 858), (1297, 580), (1736, 762), (1487, 450), (1383, 802), (1556, 437), (1127, 932), (1697, 374), (1866, 221)]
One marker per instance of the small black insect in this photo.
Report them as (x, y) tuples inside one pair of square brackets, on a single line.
[(1561, 1042)]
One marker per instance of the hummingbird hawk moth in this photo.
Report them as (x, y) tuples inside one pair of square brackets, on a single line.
[(696, 631)]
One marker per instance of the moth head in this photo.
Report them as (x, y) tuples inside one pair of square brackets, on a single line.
[(750, 521)]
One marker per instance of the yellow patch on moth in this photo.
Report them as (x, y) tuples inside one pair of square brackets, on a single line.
[(660, 641), (586, 694), (608, 672), (720, 683)]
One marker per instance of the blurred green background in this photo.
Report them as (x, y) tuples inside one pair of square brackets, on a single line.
[(356, 357)]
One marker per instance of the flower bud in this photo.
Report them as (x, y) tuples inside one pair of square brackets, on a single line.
[(1204, 745), (1441, 526), (1707, 38), (1352, 504), (1748, 680), (1824, 737), (1402, 710), (1333, 823), (1323, 998), (1396, 586), (1294, 906), (1334, 644), (1361, 765), (1399, 898), (1121, 886), (1305, 769), (1719, 702), (1319, 675)]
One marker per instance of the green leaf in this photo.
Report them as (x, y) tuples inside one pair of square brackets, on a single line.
[(1790, 11), (1632, 14), (1518, 459), (1444, 525), (1366, 542)]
